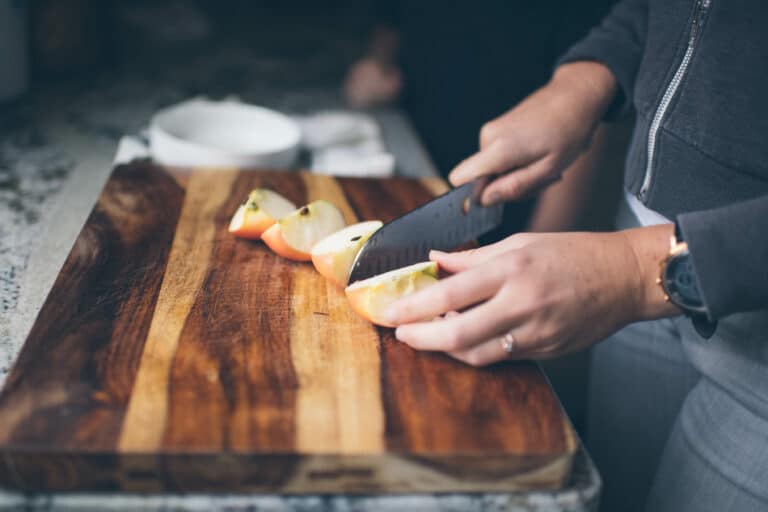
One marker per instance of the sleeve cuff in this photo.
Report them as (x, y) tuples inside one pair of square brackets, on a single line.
[(728, 250)]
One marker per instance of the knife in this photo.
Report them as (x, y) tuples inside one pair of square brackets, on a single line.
[(452, 219)]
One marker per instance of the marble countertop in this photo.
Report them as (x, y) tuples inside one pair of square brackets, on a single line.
[(56, 149)]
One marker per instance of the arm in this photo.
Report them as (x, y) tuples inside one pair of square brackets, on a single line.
[(563, 205), (618, 43), (528, 148)]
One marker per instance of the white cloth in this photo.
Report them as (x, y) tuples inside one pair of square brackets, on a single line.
[(645, 215)]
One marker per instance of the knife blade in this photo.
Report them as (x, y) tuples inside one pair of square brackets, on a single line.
[(452, 219)]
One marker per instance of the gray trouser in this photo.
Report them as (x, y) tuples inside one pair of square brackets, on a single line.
[(642, 391), (653, 421)]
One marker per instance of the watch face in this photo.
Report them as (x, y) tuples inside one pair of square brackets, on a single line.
[(681, 283)]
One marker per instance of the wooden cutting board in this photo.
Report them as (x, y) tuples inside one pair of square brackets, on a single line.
[(170, 355)]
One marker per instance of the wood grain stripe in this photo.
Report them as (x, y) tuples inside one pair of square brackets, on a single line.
[(338, 405), (320, 186), (80, 359), (437, 186), (232, 381), (146, 417)]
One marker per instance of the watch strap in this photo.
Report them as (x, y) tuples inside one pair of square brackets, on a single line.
[(701, 322)]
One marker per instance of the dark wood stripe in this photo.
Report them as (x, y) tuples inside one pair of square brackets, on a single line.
[(232, 383), (384, 200), (71, 382), (507, 407)]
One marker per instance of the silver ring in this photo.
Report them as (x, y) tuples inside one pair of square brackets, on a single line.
[(508, 342)]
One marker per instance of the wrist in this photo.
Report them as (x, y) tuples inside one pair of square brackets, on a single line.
[(649, 247), (590, 85)]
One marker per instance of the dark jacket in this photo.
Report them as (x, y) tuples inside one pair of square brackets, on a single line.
[(696, 72)]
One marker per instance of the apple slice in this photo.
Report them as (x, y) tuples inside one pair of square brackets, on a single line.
[(294, 235), (260, 211), (370, 297), (333, 255)]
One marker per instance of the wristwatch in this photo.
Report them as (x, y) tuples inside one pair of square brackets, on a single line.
[(678, 281)]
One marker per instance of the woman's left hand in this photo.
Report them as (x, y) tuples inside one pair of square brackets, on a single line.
[(553, 293)]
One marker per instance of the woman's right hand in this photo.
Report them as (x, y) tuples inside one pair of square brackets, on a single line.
[(371, 82), (530, 146)]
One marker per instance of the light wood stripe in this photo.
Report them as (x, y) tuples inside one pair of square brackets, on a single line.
[(146, 417), (335, 357), (437, 186)]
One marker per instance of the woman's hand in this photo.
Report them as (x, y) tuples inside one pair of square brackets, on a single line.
[(371, 82), (533, 143), (375, 79), (555, 293)]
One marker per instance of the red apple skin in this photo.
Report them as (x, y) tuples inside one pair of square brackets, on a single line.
[(273, 237)]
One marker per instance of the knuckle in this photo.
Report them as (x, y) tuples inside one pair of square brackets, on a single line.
[(534, 301), (520, 239), (447, 297), (511, 186), (487, 133), (517, 262), (503, 147)]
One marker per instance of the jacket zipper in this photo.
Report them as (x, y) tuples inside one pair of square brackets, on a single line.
[(701, 10)]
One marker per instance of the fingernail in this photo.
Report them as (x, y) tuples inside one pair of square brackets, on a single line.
[(436, 254)]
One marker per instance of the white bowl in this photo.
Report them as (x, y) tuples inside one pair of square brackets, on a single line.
[(203, 133)]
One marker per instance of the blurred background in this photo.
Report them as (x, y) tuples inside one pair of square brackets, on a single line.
[(427, 74), (450, 65)]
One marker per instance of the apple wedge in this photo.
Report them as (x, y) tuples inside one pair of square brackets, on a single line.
[(333, 255), (294, 235), (260, 211), (370, 297)]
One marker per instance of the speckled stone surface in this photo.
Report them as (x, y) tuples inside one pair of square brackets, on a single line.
[(581, 495), (56, 149)]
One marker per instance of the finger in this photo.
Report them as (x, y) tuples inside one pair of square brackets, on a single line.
[(457, 333), (453, 293), (499, 157), (493, 350), (520, 182), (453, 262), (528, 341), (485, 353)]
